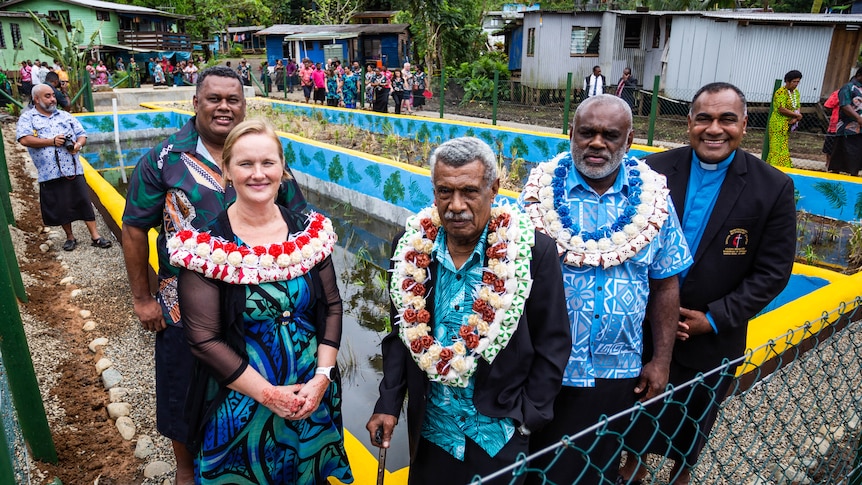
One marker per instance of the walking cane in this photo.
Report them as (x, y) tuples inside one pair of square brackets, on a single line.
[(381, 458)]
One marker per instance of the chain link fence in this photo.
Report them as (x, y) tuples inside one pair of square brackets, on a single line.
[(793, 416), (667, 125), (14, 439)]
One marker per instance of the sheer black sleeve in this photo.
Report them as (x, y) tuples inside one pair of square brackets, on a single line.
[(329, 326), (201, 309)]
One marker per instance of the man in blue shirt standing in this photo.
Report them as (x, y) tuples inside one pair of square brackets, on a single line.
[(739, 219), (54, 138), (621, 250), (480, 335)]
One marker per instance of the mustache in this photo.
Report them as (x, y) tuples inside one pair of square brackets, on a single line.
[(458, 216)]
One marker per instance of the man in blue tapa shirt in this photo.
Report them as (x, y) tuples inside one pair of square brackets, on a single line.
[(621, 250)]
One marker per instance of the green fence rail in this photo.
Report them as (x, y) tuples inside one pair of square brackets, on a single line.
[(798, 424), (656, 116)]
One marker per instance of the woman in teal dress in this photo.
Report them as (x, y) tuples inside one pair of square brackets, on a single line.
[(785, 115), (349, 87), (262, 313)]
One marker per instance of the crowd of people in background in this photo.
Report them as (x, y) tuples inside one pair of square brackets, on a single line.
[(159, 71), (337, 84)]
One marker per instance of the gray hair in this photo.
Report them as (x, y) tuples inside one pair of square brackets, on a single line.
[(607, 99), (37, 89), (465, 150)]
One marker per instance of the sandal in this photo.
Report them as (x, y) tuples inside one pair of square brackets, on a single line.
[(70, 244), (101, 242)]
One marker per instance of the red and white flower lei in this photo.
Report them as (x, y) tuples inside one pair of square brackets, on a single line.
[(217, 258), (498, 300), (607, 251)]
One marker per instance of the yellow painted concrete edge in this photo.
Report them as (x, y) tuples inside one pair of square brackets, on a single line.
[(362, 462), (775, 332)]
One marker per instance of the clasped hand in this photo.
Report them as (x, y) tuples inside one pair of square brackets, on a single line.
[(296, 401)]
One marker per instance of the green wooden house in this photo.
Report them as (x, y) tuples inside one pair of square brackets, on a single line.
[(16, 29), (123, 28)]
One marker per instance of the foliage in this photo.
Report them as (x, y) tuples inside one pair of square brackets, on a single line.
[(484, 66), (161, 121), (13, 109), (854, 260), (834, 193), (332, 12), (336, 171), (393, 189), (443, 30), (857, 208), (235, 50), (214, 16), (352, 175), (320, 158), (65, 49), (373, 172)]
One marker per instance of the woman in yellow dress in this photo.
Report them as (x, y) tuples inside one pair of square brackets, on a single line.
[(784, 119)]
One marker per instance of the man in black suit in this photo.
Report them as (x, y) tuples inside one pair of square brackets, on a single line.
[(739, 219), (480, 334)]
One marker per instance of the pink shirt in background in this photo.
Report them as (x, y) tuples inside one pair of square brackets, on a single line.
[(832, 103)]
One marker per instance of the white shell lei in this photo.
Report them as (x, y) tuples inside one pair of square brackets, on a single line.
[(607, 251), (219, 259), (498, 300)]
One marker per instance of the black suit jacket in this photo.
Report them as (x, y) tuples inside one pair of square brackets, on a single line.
[(525, 377), (745, 255)]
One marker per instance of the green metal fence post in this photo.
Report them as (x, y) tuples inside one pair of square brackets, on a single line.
[(4, 168), (11, 268), (496, 97), (6, 469), (284, 82), (765, 152), (12, 100), (442, 89), (5, 201), (653, 110), (856, 476), (567, 105), (16, 355), (361, 93), (87, 89)]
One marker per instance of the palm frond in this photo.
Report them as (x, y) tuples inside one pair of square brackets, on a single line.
[(858, 207), (834, 193)]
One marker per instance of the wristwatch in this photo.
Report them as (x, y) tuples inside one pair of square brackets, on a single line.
[(329, 372)]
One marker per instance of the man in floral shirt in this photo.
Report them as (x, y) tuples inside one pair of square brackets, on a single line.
[(54, 138), (179, 185), (621, 250)]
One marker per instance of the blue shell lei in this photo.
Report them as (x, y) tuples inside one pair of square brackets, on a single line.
[(558, 183)]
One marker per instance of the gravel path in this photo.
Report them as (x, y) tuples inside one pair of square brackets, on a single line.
[(89, 446)]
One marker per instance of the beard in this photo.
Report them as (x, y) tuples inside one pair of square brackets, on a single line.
[(48, 107), (597, 172)]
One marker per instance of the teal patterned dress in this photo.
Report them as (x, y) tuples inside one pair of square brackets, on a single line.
[(244, 442)]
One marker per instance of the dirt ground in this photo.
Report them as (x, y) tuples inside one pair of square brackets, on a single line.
[(89, 448)]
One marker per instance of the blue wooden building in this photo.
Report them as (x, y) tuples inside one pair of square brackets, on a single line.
[(382, 44)]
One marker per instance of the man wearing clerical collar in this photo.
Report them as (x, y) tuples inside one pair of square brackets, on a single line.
[(480, 336), (621, 250), (739, 219)]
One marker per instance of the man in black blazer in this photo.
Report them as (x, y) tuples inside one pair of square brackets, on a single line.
[(467, 416), (739, 218)]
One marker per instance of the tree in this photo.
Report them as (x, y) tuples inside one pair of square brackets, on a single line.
[(214, 16), (443, 29), (332, 12)]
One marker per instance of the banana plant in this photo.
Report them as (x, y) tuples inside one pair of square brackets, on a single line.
[(66, 48)]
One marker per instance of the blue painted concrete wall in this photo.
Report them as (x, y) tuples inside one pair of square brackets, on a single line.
[(827, 195)]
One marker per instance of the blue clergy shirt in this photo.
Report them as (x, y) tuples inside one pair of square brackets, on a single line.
[(450, 416), (704, 184)]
